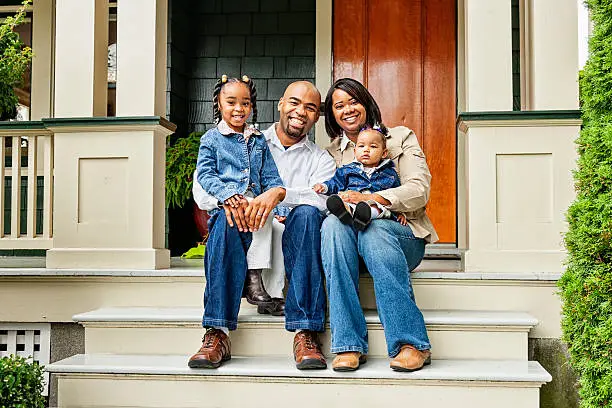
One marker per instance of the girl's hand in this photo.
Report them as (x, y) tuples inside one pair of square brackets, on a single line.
[(235, 201), (258, 210), (236, 214), (319, 188), (402, 219)]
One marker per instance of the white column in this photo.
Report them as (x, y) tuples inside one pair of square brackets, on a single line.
[(488, 55), (553, 74), (42, 62), (323, 53), (141, 57), (81, 49)]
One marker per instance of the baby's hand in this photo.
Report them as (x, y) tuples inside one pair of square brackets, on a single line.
[(319, 188), (237, 200), (402, 219), (280, 218)]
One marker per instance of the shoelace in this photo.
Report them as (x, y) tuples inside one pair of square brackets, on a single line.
[(208, 339), (308, 343)]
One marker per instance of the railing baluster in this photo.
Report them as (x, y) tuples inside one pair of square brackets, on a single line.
[(48, 185), (2, 181), (32, 184), (16, 187)]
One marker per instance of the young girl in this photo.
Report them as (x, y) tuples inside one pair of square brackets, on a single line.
[(234, 163)]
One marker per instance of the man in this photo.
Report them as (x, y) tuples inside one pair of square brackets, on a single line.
[(301, 164)]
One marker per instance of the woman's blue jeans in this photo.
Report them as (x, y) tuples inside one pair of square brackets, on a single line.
[(390, 251)]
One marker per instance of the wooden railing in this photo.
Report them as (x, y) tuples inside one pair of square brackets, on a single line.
[(26, 186)]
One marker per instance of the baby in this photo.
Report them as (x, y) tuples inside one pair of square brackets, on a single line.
[(371, 171)]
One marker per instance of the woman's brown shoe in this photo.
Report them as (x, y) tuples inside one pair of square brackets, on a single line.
[(410, 359), (349, 361)]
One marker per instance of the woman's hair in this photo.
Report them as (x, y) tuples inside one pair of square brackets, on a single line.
[(362, 95), (225, 80)]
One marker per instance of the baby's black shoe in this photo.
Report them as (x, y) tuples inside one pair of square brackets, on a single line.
[(336, 206), (362, 216)]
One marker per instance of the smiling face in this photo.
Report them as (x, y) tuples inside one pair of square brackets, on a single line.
[(299, 111), (349, 113), (235, 105), (370, 148)]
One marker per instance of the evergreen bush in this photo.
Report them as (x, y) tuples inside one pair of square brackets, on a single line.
[(14, 61), (21, 383), (586, 286)]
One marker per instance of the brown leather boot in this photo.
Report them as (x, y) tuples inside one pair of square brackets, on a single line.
[(216, 348), (254, 290), (410, 359), (307, 351)]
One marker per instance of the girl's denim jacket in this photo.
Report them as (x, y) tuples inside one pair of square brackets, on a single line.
[(227, 165)]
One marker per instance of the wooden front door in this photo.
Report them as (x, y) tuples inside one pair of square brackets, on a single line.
[(404, 52)]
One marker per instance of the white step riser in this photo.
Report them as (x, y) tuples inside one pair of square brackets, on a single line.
[(185, 392), (274, 340), (57, 299)]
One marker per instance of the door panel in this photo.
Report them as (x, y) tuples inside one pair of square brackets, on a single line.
[(405, 53)]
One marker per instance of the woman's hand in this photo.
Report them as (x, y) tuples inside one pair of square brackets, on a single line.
[(258, 210), (355, 197)]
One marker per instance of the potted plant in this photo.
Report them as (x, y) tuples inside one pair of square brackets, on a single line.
[(181, 160), (14, 61)]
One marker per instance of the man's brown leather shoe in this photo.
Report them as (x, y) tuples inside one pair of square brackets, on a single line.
[(307, 351), (214, 351), (254, 289), (349, 361), (410, 359)]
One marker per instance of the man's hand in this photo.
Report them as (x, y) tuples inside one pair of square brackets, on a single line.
[(401, 218), (234, 211), (258, 210), (319, 188)]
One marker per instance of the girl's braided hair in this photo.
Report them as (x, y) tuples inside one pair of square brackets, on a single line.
[(225, 80)]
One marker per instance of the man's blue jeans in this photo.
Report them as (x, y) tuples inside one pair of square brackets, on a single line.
[(225, 268), (305, 303), (390, 251)]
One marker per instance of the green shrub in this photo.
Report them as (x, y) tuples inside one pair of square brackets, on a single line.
[(181, 160), (586, 286), (21, 383), (14, 61)]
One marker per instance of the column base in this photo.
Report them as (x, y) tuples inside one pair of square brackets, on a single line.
[(514, 261), (108, 258)]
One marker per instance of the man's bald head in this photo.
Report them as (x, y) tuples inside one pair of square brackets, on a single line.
[(299, 111), (303, 86)]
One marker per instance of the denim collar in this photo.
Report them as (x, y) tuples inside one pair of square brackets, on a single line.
[(225, 130)]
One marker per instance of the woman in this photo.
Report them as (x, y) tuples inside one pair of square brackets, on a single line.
[(390, 250)]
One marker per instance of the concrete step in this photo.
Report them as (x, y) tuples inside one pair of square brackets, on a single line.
[(103, 380), (454, 334), (49, 295)]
